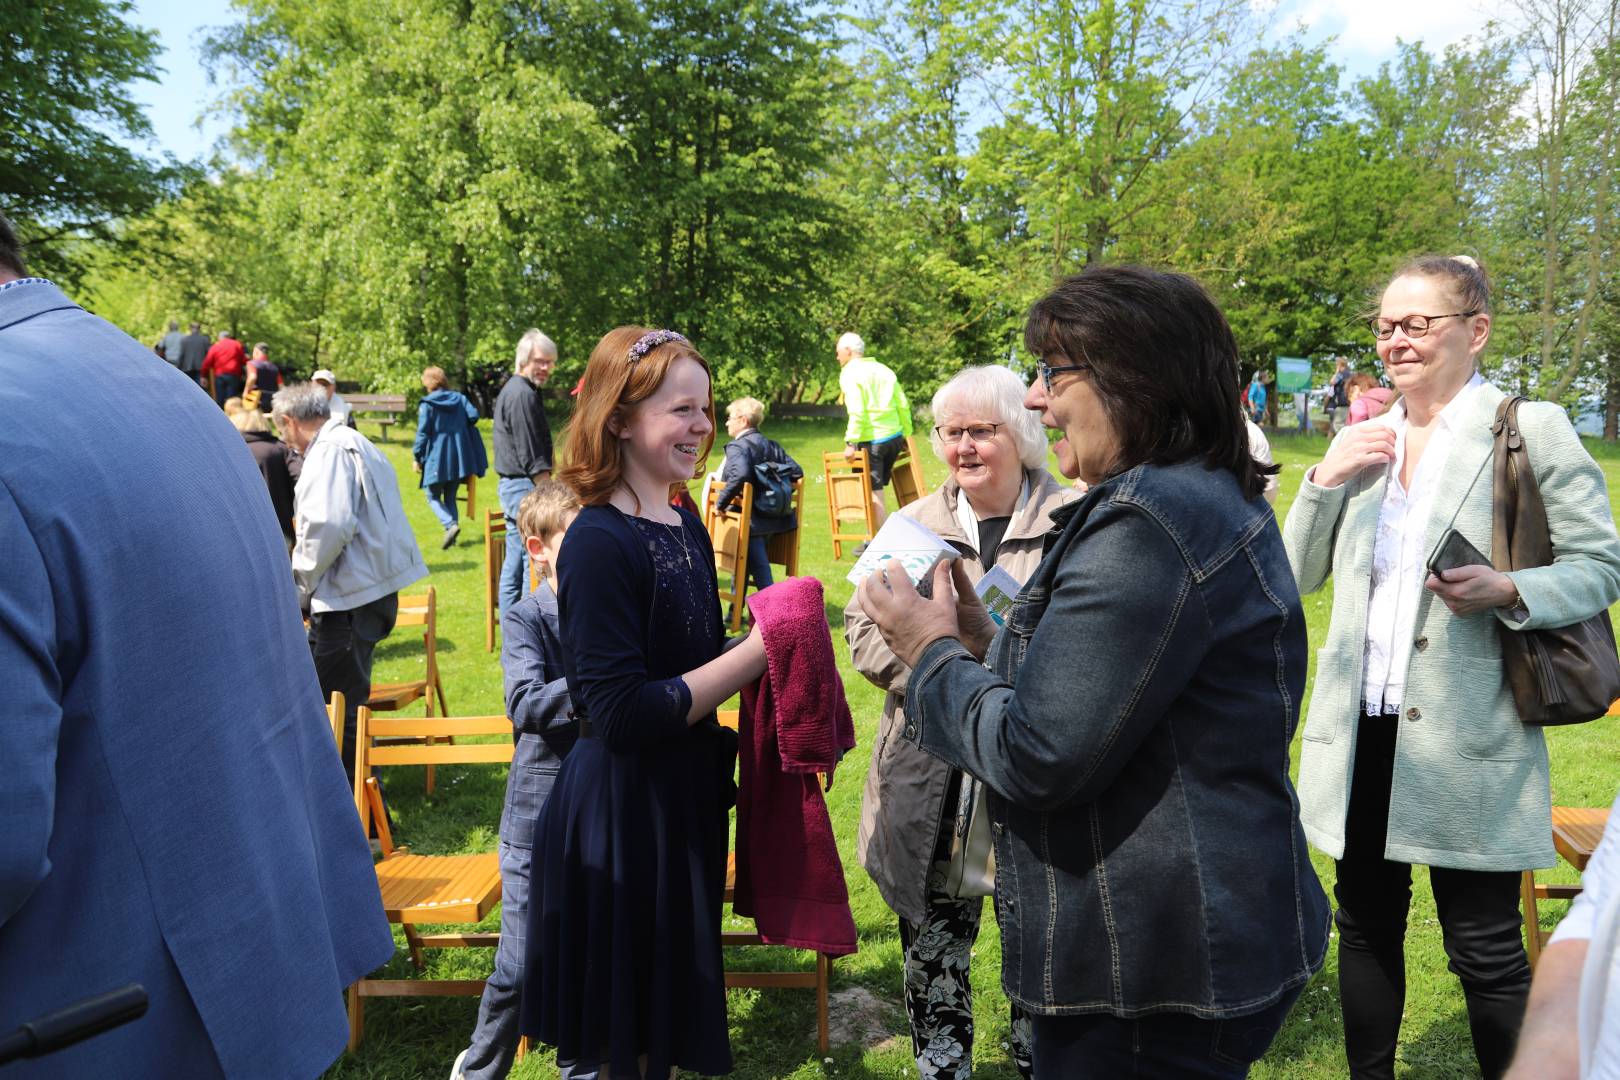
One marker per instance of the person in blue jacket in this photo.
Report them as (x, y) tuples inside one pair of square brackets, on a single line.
[(157, 824), (448, 448)]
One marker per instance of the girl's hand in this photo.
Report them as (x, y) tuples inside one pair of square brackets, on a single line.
[(1469, 590), (908, 622), (1361, 447)]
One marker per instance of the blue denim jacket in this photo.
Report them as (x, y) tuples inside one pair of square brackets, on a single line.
[(1132, 723)]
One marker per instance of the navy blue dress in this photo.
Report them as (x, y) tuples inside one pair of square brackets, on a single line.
[(630, 850)]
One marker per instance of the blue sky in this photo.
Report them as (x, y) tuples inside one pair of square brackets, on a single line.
[(1365, 29)]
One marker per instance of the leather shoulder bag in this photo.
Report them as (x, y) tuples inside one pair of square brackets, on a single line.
[(1558, 675)]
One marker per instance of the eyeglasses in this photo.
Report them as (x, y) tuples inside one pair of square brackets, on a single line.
[(1413, 326), (1048, 371), (979, 433)]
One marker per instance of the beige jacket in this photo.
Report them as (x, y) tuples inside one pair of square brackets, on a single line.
[(903, 807)]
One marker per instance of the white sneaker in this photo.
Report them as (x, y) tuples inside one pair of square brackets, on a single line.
[(455, 1070)]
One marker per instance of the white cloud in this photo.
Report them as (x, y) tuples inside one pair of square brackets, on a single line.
[(1367, 29)]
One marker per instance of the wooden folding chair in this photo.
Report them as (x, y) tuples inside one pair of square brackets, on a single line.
[(728, 534), (420, 610), (469, 495), (906, 478), (783, 548), (494, 555), (1576, 834), (849, 497), (816, 980), (419, 889)]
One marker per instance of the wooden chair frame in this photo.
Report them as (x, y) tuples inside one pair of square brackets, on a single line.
[(817, 979), (906, 478), (1576, 833), (420, 889), (494, 555), (418, 610), (334, 716), (846, 480), (469, 495), (728, 535)]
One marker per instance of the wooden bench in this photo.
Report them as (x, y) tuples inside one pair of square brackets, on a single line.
[(381, 409), (1576, 832)]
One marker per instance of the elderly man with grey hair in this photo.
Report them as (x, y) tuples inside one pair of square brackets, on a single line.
[(522, 448), (353, 549)]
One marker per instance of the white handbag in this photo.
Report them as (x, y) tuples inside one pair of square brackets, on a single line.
[(973, 856)]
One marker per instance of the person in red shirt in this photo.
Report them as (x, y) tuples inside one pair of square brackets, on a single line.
[(226, 362)]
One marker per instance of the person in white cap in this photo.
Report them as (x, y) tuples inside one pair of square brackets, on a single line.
[(340, 408)]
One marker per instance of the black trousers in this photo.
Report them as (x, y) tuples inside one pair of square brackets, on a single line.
[(342, 643), (1479, 923)]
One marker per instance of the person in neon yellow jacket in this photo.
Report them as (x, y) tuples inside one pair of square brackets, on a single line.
[(879, 414)]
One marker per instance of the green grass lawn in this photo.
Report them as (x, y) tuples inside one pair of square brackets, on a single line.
[(773, 1032)]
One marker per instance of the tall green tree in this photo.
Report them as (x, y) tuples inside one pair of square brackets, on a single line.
[(718, 223), (65, 176), (425, 179)]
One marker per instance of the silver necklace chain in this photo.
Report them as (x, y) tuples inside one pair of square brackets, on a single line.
[(679, 538)]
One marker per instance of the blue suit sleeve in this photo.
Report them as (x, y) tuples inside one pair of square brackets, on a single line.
[(31, 721), (537, 699), (472, 410), (605, 600)]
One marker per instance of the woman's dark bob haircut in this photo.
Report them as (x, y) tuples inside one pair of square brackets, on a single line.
[(1161, 358)]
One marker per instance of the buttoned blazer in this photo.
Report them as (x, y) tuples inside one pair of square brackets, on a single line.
[(1470, 787)]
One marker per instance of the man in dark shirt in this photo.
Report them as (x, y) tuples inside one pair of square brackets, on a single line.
[(193, 347), (522, 448)]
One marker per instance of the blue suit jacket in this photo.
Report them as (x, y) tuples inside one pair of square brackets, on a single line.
[(166, 817)]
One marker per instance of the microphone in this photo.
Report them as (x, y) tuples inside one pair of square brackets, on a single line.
[(75, 1023)]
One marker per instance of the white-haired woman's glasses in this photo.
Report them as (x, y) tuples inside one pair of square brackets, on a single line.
[(979, 433)]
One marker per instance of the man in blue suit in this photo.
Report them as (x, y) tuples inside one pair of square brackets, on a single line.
[(168, 814)]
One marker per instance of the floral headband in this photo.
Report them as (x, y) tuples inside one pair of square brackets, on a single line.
[(651, 340)]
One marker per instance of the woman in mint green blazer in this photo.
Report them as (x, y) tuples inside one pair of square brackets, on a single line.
[(1412, 749)]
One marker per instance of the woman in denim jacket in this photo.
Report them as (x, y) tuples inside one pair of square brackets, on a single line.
[(1159, 912)]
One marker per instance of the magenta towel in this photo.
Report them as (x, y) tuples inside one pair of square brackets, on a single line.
[(795, 723)]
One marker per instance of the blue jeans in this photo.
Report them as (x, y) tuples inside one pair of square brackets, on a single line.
[(495, 1039), (1159, 1044), (228, 386), (511, 490), (759, 563), (442, 500)]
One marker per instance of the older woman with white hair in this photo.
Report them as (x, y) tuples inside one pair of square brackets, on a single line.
[(993, 509)]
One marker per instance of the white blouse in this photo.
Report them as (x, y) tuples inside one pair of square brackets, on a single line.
[(1399, 559), (1399, 565)]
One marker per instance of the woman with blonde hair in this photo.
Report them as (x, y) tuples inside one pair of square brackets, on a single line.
[(624, 971), (270, 455)]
